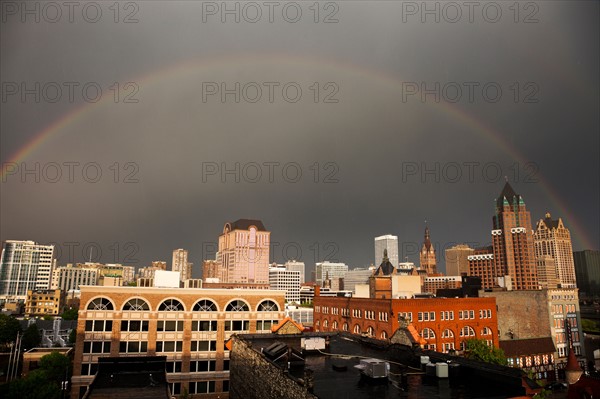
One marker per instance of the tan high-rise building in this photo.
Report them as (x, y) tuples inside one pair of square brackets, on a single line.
[(457, 261), (427, 255), (552, 238), (212, 269), (512, 239), (546, 268), (180, 264), (243, 252)]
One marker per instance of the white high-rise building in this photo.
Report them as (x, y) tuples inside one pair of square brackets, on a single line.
[(67, 278), (180, 264), (324, 270), (24, 265), (280, 278), (390, 243), (296, 266)]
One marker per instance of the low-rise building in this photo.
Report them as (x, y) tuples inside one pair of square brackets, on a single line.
[(44, 302), (188, 326)]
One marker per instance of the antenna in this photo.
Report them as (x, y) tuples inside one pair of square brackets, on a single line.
[(91, 249)]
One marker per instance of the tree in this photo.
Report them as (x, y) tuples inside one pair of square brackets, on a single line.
[(31, 337), (9, 327), (70, 314), (35, 386), (57, 366), (478, 349)]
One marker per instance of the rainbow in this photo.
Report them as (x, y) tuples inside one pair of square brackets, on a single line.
[(450, 109)]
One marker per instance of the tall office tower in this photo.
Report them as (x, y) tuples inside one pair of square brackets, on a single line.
[(512, 239), (243, 252), (552, 238), (211, 269), (390, 243), (546, 270), (329, 270), (280, 278), (180, 264), (587, 267), (457, 261), (24, 266), (427, 255), (295, 265)]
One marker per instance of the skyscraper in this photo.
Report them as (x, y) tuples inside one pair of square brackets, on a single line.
[(180, 264), (295, 265), (427, 255), (390, 243), (333, 271), (512, 240), (552, 238), (243, 252), (587, 267), (24, 266), (456, 259)]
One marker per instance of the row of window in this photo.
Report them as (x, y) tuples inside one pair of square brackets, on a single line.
[(177, 325), (174, 305)]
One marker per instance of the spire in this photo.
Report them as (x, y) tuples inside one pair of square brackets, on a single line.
[(572, 371), (385, 255), (427, 240), (508, 196)]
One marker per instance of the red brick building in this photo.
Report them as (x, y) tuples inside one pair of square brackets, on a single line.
[(444, 323)]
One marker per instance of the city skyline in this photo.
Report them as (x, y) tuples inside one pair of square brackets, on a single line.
[(379, 141)]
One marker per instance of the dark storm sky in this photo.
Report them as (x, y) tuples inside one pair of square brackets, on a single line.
[(376, 155)]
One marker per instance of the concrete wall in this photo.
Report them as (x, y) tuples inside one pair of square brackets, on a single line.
[(253, 376)]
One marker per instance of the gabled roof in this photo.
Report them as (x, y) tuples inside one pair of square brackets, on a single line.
[(386, 268), (530, 346), (290, 323)]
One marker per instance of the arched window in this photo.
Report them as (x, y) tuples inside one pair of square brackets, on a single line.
[(205, 305), (170, 305), (384, 335), (334, 325), (486, 331), (101, 304), (325, 324), (345, 327), (447, 333), (357, 329), (136, 305), (370, 331), (467, 331), (427, 333), (268, 306), (237, 306)]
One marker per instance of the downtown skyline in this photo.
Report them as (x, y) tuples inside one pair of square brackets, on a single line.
[(377, 143)]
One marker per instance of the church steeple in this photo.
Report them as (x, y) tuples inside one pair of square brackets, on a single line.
[(427, 256)]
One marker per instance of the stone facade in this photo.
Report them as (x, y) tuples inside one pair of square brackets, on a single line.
[(253, 376)]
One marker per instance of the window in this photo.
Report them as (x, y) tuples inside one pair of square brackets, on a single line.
[(204, 325), (357, 329), (345, 327), (486, 331), (202, 387), (447, 333), (203, 346), (237, 325), (200, 366), (169, 346), (101, 304), (370, 332), (225, 385), (133, 347), (265, 325), (169, 325), (173, 367), (237, 306), (205, 305), (170, 305), (428, 333), (176, 388), (467, 331), (98, 325), (471, 314), (96, 347), (89, 368), (384, 335), (134, 325), (136, 305)]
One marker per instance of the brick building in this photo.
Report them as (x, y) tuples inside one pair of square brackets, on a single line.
[(444, 323), (44, 302), (188, 326)]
